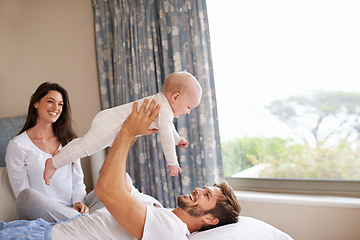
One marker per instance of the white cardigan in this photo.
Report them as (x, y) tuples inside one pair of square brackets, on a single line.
[(25, 164)]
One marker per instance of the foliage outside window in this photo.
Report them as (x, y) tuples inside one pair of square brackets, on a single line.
[(327, 125)]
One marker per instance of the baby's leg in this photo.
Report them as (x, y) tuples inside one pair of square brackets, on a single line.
[(96, 139)]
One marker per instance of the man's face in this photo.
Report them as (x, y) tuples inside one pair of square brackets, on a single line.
[(199, 201)]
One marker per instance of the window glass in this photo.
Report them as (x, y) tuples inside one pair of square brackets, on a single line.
[(287, 82)]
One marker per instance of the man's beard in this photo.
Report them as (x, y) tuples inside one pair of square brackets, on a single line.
[(194, 211)]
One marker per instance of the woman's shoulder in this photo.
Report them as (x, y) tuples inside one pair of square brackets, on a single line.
[(17, 147), (19, 139)]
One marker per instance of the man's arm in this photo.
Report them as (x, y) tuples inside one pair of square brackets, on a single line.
[(112, 188)]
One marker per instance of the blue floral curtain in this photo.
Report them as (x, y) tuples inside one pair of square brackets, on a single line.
[(139, 43)]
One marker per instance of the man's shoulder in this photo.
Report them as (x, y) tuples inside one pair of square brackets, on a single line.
[(163, 222)]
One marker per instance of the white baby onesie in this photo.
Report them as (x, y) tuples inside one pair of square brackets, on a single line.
[(106, 126)]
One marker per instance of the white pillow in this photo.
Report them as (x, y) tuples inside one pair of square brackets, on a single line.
[(246, 228)]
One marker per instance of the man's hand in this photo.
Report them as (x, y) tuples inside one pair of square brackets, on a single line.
[(174, 170), (183, 143), (81, 208), (138, 123)]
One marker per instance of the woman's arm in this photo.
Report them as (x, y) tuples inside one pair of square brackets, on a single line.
[(15, 164)]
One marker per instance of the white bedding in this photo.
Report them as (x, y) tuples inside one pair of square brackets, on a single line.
[(247, 228)]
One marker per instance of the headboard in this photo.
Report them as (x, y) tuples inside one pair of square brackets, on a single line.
[(9, 128)]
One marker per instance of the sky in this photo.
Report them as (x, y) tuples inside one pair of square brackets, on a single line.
[(269, 50)]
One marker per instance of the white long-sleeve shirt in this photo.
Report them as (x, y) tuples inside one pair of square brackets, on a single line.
[(107, 124), (25, 164)]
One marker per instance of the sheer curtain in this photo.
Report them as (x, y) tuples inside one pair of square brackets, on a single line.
[(139, 43)]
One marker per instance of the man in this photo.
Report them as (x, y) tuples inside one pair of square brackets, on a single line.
[(125, 216)]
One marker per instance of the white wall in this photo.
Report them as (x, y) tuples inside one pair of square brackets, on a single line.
[(49, 40), (317, 219)]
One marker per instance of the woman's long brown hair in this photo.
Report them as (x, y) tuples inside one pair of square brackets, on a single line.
[(63, 126)]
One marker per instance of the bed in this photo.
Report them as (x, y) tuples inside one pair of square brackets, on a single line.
[(247, 228)]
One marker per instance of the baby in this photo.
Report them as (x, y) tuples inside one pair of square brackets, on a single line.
[(181, 93)]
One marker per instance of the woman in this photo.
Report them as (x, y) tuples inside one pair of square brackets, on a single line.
[(46, 130)]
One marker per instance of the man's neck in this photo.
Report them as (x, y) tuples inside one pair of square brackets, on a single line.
[(193, 223)]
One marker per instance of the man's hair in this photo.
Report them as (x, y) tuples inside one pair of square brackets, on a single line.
[(227, 208)]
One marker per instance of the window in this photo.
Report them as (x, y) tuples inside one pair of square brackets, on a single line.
[(289, 70)]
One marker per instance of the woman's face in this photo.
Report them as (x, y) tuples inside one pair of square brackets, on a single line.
[(50, 107)]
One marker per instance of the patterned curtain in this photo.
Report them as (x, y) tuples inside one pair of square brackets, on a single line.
[(139, 43)]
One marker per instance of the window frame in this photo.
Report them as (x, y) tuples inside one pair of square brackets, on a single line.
[(343, 188)]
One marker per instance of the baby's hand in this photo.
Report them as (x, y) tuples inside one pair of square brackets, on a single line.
[(182, 143), (49, 171), (174, 170)]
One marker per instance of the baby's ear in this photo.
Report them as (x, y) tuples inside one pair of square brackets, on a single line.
[(175, 96)]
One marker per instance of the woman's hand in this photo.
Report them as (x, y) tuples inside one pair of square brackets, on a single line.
[(81, 208)]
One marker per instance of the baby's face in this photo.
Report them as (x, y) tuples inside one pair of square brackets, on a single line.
[(185, 103)]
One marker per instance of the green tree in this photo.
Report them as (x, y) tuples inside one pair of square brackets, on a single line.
[(301, 161), (285, 159), (323, 114), (319, 117), (243, 153)]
